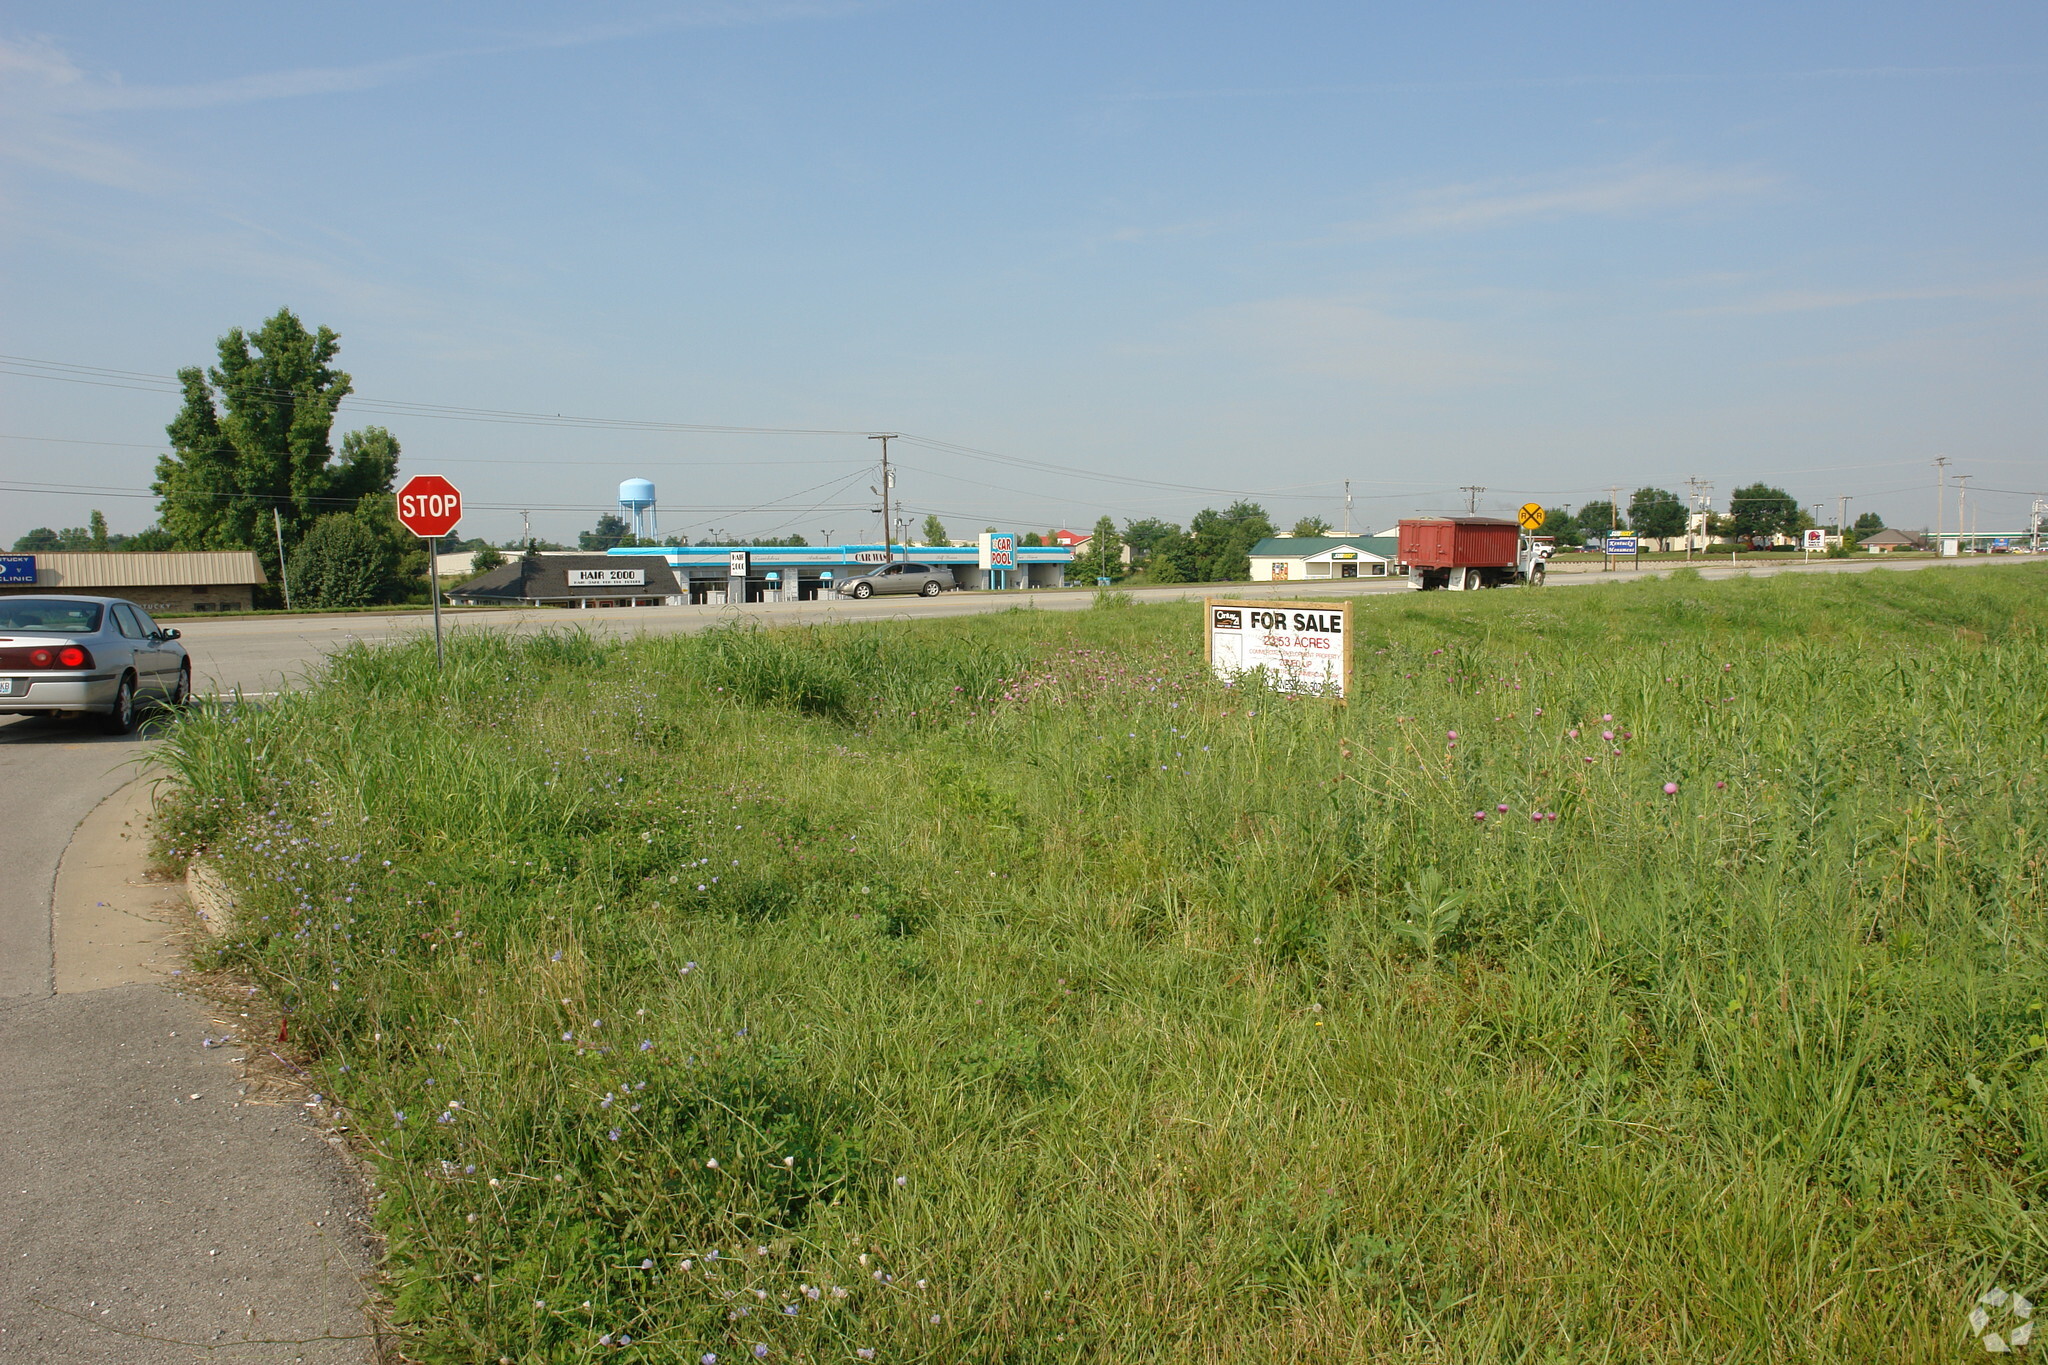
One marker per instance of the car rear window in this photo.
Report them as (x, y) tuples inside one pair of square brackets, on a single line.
[(49, 616)]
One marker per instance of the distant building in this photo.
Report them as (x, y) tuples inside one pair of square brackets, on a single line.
[(1312, 559), (574, 580), (1889, 541), (159, 581)]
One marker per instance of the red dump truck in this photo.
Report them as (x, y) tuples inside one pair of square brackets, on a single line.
[(1469, 552)]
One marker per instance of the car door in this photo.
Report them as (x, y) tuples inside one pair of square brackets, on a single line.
[(136, 644), (892, 579), (164, 656)]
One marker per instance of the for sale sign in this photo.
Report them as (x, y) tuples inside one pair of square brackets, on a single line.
[(1294, 646)]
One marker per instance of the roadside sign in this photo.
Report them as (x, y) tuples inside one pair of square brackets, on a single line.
[(607, 578), (998, 550), (1298, 646), (1531, 516), (1816, 538), (17, 568), (1621, 545), (736, 564), (429, 506)]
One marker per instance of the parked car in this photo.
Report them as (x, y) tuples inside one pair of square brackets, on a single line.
[(103, 656), (923, 579)]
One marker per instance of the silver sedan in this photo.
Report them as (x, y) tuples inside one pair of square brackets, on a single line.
[(926, 580), (103, 656)]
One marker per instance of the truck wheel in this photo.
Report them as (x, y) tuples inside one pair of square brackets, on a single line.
[(1536, 577)]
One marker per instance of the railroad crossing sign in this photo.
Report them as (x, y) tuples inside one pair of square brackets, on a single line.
[(429, 506), (1531, 515)]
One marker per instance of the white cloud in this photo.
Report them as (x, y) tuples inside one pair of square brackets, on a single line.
[(1353, 339), (1611, 193), (1817, 300)]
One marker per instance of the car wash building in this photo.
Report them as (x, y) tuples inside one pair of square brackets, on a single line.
[(720, 574)]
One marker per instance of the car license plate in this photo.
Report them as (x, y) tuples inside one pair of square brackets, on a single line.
[(7, 687)]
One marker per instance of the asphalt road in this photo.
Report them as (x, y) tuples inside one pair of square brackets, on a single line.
[(261, 654)]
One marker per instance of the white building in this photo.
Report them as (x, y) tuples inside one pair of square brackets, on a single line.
[(1295, 559)]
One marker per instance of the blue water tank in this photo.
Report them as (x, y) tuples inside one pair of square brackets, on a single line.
[(637, 494)]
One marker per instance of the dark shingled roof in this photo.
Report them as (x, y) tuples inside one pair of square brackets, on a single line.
[(545, 578)]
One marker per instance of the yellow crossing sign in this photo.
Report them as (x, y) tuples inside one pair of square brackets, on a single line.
[(1531, 515)]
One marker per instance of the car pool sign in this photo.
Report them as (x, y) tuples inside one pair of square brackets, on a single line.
[(1295, 646), (429, 506)]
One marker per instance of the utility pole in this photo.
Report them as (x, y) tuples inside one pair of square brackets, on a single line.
[(1613, 524), (1701, 491), (1472, 492), (1940, 497), (1842, 519), (2040, 513), (1962, 509), (888, 482), (526, 528), (1816, 521), (283, 577), (1347, 507)]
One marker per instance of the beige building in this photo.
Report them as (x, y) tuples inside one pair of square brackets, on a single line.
[(158, 581)]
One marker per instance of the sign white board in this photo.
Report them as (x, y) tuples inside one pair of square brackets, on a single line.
[(607, 578), (998, 550), (1816, 538), (736, 565), (1298, 646)]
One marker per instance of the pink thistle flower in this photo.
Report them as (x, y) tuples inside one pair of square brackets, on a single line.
[(1671, 789)]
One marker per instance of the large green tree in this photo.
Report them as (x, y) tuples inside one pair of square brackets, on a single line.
[(612, 529), (1146, 535), (254, 437), (1597, 518), (340, 563), (1759, 511), (1870, 521), (1104, 555), (1221, 542), (935, 531), (1656, 512), (1311, 526)]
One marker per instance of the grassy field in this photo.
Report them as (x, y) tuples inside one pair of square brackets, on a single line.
[(1641, 972)]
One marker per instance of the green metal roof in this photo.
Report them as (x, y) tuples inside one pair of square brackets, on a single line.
[(1301, 547)]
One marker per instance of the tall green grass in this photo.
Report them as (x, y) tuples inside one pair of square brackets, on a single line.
[(1039, 998)]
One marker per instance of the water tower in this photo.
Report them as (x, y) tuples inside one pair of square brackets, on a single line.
[(637, 497)]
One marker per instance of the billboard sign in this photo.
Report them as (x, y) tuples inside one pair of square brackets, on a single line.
[(607, 578), (1621, 545), (736, 564), (998, 550), (1296, 646), (17, 568), (1816, 538)]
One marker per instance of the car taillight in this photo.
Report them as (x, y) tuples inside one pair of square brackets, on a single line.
[(48, 656)]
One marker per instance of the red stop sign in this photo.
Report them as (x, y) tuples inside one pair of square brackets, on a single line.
[(429, 506)]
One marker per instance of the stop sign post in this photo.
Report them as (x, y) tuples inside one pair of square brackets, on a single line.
[(429, 506)]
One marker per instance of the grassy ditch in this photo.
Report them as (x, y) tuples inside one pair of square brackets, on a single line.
[(1002, 988)]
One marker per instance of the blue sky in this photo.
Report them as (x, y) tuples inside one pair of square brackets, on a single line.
[(1151, 256)]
